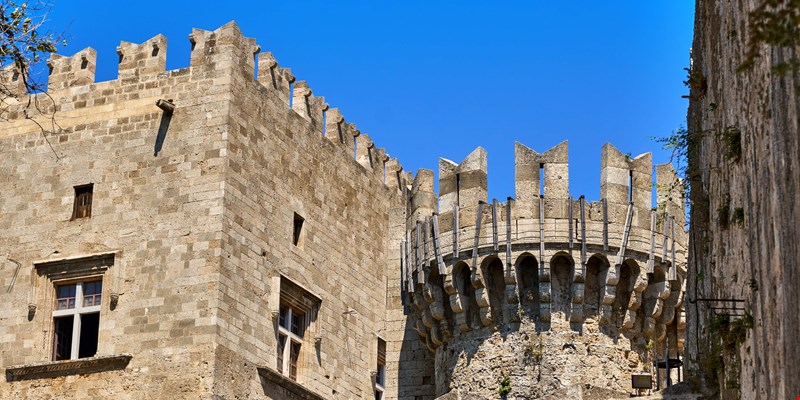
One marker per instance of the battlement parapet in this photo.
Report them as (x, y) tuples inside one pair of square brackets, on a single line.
[(472, 264), (12, 81), (218, 61)]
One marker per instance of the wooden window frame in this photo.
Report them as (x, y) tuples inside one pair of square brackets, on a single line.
[(82, 192), (77, 310), (287, 364), (380, 371)]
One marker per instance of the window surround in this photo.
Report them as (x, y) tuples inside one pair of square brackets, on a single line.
[(84, 268), (294, 313), (73, 270)]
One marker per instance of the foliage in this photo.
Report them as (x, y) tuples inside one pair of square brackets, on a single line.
[(733, 141), (773, 23), (738, 216), (505, 386), (732, 333), (536, 350), (23, 40), (23, 43), (678, 144), (696, 82)]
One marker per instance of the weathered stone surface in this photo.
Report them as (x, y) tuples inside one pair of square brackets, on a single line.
[(744, 174)]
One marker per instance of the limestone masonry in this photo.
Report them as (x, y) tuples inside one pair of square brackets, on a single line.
[(213, 232)]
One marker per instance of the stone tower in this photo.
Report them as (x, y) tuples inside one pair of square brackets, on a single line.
[(557, 294), (218, 231)]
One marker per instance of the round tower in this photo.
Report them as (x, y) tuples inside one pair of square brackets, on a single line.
[(545, 294)]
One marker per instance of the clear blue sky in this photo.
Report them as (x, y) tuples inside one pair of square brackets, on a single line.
[(439, 78)]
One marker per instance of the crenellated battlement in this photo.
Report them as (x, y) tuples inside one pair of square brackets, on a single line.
[(216, 58), (545, 256)]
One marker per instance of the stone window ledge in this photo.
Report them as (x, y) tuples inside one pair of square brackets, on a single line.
[(52, 369), (279, 386)]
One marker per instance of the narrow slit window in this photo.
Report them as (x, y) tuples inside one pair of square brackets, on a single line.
[(255, 65), (291, 95), (82, 208), (630, 186), (541, 180), (458, 188), (297, 232), (324, 121)]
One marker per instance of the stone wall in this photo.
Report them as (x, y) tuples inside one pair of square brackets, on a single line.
[(197, 207), (744, 175), (159, 215)]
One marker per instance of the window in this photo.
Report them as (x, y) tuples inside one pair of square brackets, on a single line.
[(83, 202), (291, 328), (380, 374), (76, 319), (297, 232), (296, 316)]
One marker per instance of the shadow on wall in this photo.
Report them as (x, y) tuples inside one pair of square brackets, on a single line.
[(491, 304)]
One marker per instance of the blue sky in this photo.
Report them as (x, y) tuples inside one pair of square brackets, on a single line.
[(437, 79)]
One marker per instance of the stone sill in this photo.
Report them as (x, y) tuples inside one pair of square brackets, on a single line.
[(53, 369), (273, 381)]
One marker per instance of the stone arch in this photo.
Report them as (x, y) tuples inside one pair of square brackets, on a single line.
[(628, 273), (493, 275), (594, 291), (562, 269), (462, 276), (527, 268)]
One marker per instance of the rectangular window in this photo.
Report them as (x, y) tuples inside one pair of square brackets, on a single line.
[(290, 338), (76, 319), (82, 207), (380, 374), (297, 313), (297, 232)]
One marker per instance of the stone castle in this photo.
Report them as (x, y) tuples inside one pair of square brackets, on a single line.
[(217, 232)]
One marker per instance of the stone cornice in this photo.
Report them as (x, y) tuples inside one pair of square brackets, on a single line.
[(272, 380), (52, 369)]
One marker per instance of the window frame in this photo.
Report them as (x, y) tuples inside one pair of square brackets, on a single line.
[(77, 312), (293, 302), (83, 194), (285, 359), (380, 371), (50, 274)]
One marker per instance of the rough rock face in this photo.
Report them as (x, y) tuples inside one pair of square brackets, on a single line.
[(744, 153), (543, 364)]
